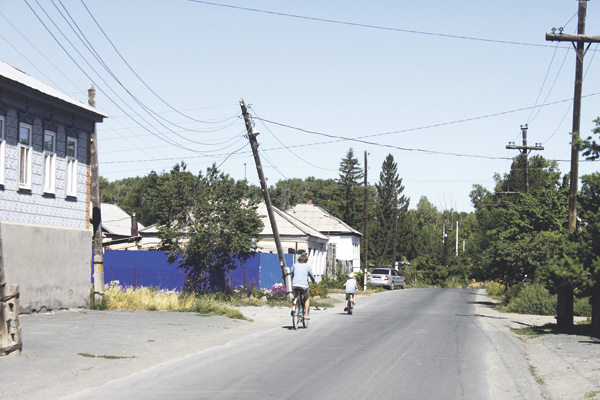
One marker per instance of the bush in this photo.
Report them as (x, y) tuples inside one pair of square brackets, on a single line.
[(530, 299), (582, 307), (495, 289)]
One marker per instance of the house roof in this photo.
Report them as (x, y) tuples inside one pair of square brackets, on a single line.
[(115, 221), (287, 225), (321, 220), (11, 73)]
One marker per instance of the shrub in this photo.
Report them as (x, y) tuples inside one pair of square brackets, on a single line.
[(582, 307), (495, 289), (277, 291), (531, 299)]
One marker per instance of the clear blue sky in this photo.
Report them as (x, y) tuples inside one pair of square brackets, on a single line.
[(442, 86)]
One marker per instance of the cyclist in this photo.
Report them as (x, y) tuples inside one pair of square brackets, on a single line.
[(301, 271), (350, 286)]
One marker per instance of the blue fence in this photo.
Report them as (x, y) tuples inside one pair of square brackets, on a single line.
[(150, 268)]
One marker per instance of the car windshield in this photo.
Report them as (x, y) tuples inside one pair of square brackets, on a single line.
[(381, 271)]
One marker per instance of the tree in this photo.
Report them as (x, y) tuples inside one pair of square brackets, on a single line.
[(589, 147), (208, 223), (389, 199), (350, 189), (516, 234)]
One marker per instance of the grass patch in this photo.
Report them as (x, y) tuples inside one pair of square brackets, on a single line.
[(592, 395), (581, 329), (535, 331), (538, 379), (107, 357)]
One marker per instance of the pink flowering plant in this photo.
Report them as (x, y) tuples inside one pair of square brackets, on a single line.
[(277, 291)]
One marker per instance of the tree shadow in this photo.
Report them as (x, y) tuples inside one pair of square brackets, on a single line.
[(554, 329)]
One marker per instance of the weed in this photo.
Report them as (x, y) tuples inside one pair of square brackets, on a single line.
[(107, 357)]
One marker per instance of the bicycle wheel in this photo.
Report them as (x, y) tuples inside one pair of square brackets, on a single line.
[(304, 314), (350, 301), (296, 313)]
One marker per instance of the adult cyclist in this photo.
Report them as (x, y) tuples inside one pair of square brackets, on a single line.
[(301, 271)]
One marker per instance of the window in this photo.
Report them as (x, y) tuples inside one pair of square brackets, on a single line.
[(72, 167), (2, 151), (49, 162), (25, 156)]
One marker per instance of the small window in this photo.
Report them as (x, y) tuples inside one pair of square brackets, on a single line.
[(49, 162), (25, 156), (72, 167), (2, 151)]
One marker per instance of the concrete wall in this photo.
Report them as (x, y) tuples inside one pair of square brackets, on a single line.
[(51, 265)]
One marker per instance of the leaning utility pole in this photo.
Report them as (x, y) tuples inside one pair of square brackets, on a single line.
[(366, 228), (263, 184), (98, 269), (524, 152), (564, 318)]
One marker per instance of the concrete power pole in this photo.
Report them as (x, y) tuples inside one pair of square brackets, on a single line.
[(524, 152), (98, 267), (564, 318), (366, 228), (285, 271)]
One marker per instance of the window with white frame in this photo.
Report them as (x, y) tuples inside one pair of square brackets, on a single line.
[(49, 162), (2, 151), (71, 167), (25, 156)]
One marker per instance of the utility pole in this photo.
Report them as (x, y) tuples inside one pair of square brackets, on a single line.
[(564, 318), (579, 40), (98, 267), (524, 152), (263, 184), (445, 244), (366, 229), (395, 231), (457, 238)]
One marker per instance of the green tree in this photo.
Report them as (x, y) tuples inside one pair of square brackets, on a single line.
[(589, 147), (389, 197), (349, 183), (208, 223), (515, 235)]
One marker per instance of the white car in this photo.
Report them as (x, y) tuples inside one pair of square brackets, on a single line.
[(386, 277)]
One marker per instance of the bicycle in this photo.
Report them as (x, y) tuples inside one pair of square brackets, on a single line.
[(350, 302), (298, 309)]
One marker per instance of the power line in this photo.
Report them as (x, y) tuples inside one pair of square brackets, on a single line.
[(359, 25)]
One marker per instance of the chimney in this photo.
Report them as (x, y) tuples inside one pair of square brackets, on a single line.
[(134, 225), (309, 201)]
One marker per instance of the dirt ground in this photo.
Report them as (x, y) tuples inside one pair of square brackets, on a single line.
[(567, 366)]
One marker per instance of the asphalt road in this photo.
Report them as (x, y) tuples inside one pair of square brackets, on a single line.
[(413, 344)]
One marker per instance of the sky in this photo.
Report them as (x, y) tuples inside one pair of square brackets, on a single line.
[(441, 86)]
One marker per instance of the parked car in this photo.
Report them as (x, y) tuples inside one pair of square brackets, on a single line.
[(386, 277)]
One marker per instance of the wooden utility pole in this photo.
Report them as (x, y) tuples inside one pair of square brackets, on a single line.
[(524, 152), (564, 317), (98, 267), (285, 271), (366, 229)]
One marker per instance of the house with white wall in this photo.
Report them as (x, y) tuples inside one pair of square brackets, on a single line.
[(345, 238), (45, 174), (296, 237)]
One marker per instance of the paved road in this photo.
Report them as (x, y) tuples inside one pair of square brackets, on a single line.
[(414, 344)]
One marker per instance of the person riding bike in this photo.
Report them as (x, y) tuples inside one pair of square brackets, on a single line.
[(350, 286), (301, 271)]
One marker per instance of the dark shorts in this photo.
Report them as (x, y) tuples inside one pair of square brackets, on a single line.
[(300, 290)]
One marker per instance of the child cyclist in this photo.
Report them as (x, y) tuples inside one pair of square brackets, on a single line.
[(350, 286)]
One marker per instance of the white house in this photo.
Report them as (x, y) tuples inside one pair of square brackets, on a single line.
[(345, 238), (296, 237)]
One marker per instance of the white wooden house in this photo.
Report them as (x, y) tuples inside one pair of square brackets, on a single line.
[(296, 237), (345, 239), (45, 176)]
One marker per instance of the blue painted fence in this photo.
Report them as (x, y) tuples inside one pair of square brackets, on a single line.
[(150, 268)]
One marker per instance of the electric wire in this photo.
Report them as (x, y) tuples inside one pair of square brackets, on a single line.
[(286, 147), (135, 73), (90, 48), (359, 25)]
